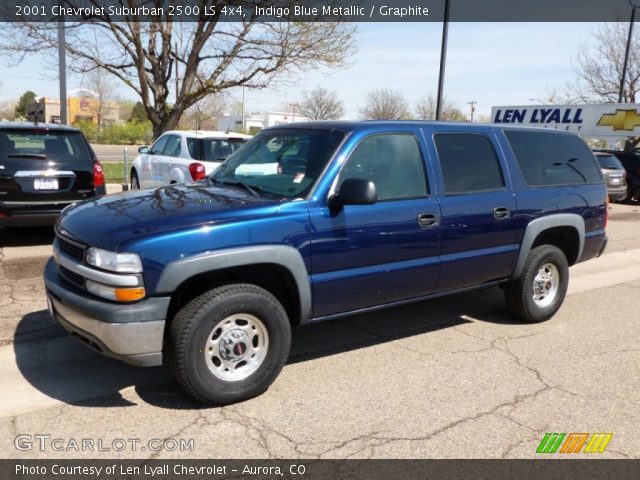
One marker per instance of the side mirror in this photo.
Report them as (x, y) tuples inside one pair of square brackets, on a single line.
[(143, 149), (354, 191)]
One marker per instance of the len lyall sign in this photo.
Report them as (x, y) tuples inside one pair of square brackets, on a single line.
[(602, 120)]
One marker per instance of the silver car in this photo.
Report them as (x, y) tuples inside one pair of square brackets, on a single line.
[(614, 176)]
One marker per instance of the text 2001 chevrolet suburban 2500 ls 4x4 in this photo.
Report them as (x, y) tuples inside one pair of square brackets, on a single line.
[(209, 278)]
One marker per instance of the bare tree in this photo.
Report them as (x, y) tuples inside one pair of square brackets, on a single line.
[(385, 104), (321, 104), (599, 68), (426, 110), (201, 115), (210, 56), (101, 102)]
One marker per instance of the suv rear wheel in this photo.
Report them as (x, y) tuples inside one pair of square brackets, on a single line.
[(539, 292), (229, 344)]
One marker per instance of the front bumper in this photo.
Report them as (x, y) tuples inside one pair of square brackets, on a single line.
[(129, 332)]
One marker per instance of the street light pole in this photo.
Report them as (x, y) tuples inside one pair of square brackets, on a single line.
[(443, 58), (626, 52), (62, 71)]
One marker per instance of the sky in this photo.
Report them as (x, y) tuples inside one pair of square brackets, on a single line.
[(493, 64)]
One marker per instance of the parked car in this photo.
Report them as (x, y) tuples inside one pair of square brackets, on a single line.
[(631, 163), (210, 278), (44, 168), (614, 176), (182, 156)]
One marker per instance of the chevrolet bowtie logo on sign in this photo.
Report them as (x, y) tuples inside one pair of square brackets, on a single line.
[(597, 442), (625, 120)]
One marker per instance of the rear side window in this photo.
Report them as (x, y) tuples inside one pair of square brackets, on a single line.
[(548, 159), (61, 147), (212, 149), (393, 162), (469, 163)]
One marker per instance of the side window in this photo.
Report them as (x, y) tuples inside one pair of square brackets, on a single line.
[(172, 147), (469, 163), (547, 159), (393, 162), (158, 147)]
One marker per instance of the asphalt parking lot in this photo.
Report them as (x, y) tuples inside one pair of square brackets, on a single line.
[(454, 377)]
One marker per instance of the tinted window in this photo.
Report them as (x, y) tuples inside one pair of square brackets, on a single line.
[(60, 147), (393, 162), (609, 161), (553, 159), (172, 147), (469, 164), (211, 149), (283, 162)]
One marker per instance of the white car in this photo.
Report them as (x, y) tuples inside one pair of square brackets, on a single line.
[(182, 156)]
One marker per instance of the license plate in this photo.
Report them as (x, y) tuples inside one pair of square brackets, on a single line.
[(45, 184), (616, 181)]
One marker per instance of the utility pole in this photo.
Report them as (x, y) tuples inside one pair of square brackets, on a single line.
[(443, 58), (626, 52), (62, 70), (243, 114), (473, 104)]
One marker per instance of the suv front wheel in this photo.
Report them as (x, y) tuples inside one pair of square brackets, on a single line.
[(540, 290), (229, 344)]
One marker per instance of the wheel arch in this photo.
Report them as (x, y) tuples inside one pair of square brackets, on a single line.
[(278, 269), (565, 231)]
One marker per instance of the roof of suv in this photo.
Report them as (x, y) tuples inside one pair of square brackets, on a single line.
[(359, 124), (39, 126)]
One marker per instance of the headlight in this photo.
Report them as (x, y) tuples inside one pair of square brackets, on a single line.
[(115, 262)]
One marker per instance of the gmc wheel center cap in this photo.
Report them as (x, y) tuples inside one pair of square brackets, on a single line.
[(234, 345)]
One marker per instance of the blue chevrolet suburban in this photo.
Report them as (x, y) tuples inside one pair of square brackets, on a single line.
[(209, 278)]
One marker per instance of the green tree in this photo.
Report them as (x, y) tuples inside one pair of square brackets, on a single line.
[(23, 104), (138, 114)]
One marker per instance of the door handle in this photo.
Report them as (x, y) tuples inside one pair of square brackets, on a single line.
[(500, 213), (428, 220)]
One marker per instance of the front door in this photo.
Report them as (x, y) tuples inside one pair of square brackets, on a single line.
[(368, 255)]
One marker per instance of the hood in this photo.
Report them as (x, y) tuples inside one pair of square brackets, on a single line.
[(109, 221)]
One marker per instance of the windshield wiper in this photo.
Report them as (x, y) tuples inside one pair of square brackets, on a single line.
[(251, 190), (39, 156)]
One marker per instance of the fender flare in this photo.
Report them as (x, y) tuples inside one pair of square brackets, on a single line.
[(177, 175), (539, 225), (177, 272)]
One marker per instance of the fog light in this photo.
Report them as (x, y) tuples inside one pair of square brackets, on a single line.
[(118, 294)]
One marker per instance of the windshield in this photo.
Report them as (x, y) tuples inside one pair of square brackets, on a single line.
[(213, 149), (284, 162)]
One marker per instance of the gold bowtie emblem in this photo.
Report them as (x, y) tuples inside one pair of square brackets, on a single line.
[(621, 120)]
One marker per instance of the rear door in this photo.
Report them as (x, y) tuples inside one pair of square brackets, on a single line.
[(41, 165), (479, 231)]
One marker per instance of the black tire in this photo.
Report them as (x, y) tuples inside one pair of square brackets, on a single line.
[(519, 294), (135, 182), (192, 327)]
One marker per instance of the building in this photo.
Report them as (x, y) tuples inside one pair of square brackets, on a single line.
[(86, 108), (257, 121)]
